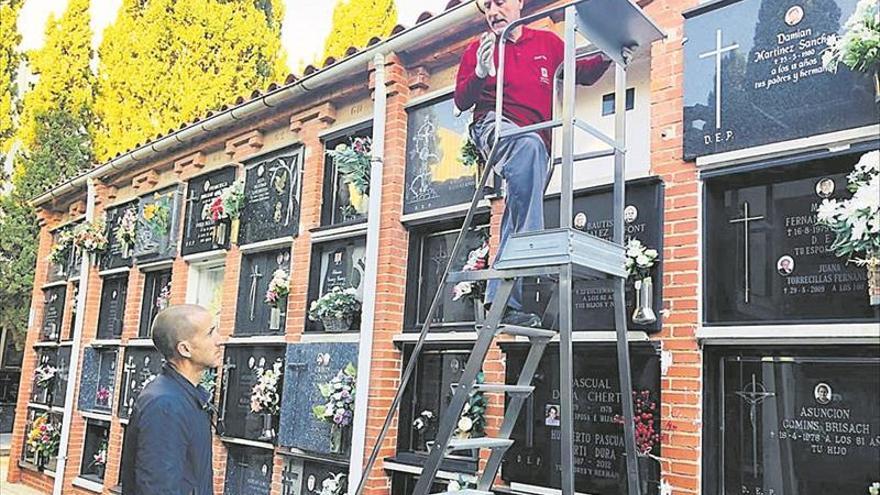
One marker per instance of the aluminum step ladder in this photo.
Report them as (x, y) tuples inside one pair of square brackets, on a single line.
[(563, 254)]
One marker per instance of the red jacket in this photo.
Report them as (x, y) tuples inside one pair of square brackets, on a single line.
[(530, 64)]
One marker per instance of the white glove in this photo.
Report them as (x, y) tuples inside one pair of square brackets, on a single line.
[(627, 54), (486, 56)]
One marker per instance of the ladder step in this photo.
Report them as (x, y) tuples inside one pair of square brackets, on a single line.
[(478, 443), (529, 332), (504, 388)]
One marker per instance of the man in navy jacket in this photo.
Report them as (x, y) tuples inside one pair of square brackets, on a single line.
[(167, 448)]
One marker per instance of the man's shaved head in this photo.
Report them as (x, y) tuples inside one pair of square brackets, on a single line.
[(175, 324)]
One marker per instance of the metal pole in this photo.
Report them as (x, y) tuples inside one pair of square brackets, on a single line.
[(568, 98)]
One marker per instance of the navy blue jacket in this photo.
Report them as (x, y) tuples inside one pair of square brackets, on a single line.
[(167, 447)]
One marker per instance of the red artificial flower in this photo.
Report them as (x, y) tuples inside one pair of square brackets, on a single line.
[(217, 209)]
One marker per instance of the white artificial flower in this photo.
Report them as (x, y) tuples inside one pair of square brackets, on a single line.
[(453, 486), (465, 424), (651, 253), (828, 210), (642, 260), (859, 227)]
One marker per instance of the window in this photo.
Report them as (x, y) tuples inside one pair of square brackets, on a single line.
[(343, 201), (157, 291), (206, 286), (608, 103)]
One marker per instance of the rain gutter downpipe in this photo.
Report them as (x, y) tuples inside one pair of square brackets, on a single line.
[(73, 366), (368, 313)]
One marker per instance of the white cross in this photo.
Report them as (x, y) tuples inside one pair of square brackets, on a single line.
[(717, 52), (255, 274), (745, 219)]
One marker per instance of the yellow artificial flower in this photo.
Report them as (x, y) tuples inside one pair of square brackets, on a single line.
[(150, 211)]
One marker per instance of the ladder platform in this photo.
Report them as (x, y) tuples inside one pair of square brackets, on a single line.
[(478, 443), (490, 274), (466, 491), (590, 257), (530, 332)]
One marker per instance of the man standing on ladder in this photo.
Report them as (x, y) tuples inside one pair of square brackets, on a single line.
[(531, 59)]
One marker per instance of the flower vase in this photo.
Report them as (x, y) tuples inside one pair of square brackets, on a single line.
[(268, 433), (479, 310), (644, 312), (337, 439), (233, 230), (360, 202), (646, 472), (275, 317), (99, 471), (877, 85), (873, 267), (221, 232), (126, 251), (336, 325)]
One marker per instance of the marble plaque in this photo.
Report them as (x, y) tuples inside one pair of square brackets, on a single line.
[(769, 258), (253, 315), (791, 423), (307, 366), (238, 377), (248, 471), (599, 460), (198, 225), (117, 254), (158, 224), (141, 365), (435, 176), (53, 313), (111, 313), (760, 80), (272, 194), (98, 380)]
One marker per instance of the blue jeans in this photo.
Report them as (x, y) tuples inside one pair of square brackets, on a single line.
[(522, 163)]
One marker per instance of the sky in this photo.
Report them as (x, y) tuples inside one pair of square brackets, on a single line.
[(306, 22)]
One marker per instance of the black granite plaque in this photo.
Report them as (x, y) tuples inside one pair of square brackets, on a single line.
[(435, 177), (643, 220), (53, 313), (248, 470), (768, 256), (111, 314), (198, 226), (41, 392), (291, 476), (599, 451), (253, 314), (337, 264), (157, 288), (97, 436), (141, 366), (434, 249), (343, 203), (62, 376), (760, 80), (158, 224), (272, 191), (314, 474), (118, 254), (239, 375), (789, 423)]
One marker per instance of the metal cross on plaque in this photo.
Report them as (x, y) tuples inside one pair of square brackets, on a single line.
[(745, 219), (127, 371), (255, 276), (717, 52), (753, 394), (192, 202), (283, 173)]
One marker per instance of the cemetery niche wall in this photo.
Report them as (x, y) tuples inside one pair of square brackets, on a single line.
[(599, 452), (761, 80), (766, 257), (792, 420), (272, 188), (437, 175), (199, 233)]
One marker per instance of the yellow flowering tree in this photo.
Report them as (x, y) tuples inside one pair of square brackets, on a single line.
[(356, 21), (64, 78), (9, 60), (164, 62)]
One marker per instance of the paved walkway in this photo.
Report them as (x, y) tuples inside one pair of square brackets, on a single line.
[(7, 488)]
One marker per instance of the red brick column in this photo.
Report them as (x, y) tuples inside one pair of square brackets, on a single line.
[(391, 276), (681, 385)]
